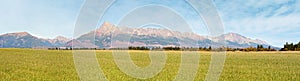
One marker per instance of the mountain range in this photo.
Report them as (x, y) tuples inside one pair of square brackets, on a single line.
[(26, 40), (109, 35)]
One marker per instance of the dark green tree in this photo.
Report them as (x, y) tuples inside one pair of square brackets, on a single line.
[(209, 48)]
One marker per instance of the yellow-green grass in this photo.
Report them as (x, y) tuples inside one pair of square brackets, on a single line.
[(29, 64)]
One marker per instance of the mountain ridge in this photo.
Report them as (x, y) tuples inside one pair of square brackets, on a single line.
[(132, 36), (161, 37)]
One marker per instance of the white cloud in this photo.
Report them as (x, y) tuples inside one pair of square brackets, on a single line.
[(275, 21), (277, 24)]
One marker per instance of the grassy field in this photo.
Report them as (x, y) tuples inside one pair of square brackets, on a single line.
[(29, 64)]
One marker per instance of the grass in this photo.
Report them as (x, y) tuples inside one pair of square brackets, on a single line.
[(29, 64)]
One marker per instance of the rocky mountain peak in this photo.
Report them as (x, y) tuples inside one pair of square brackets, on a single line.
[(234, 37), (18, 34), (107, 24), (105, 28), (61, 38)]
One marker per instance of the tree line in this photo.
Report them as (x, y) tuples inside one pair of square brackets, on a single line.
[(287, 47), (258, 48), (291, 47), (164, 48)]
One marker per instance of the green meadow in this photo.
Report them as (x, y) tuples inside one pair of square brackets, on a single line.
[(30, 64)]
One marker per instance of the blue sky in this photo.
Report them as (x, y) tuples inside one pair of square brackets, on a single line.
[(274, 21)]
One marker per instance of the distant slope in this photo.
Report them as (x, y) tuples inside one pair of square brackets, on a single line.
[(238, 41)]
